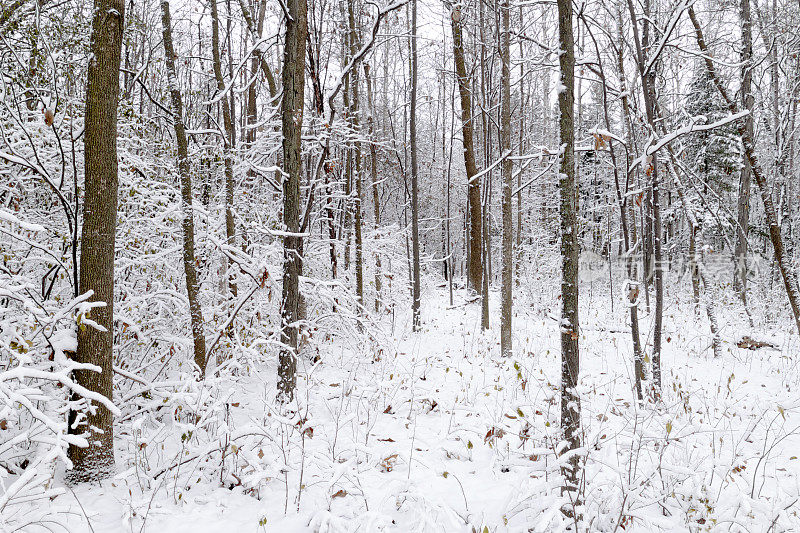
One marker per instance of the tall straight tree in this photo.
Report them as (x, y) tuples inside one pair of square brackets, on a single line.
[(626, 209), (567, 183), (647, 73), (475, 268), (230, 135), (373, 168), (414, 171), (293, 75), (95, 346), (187, 225), (355, 44), (252, 97), (507, 288), (743, 203)]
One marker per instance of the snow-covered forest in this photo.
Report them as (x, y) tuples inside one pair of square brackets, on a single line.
[(399, 265)]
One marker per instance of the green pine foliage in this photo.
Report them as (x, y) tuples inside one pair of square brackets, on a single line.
[(714, 155)]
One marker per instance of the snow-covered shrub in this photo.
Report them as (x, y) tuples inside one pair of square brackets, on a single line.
[(36, 388)]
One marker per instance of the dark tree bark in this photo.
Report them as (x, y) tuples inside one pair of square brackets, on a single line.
[(414, 171), (506, 312), (486, 203), (627, 212), (347, 214), (693, 270), (291, 124), (192, 285), (98, 239), (252, 96), (355, 125), (373, 156), (475, 270), (255, 31), (328, 166), (570, 357), (743, 201), (648, 78)]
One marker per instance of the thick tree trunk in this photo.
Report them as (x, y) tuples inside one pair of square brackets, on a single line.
[(570, 358), (192, 286), (98, 239), (475, 269), (507, 287), (415, 304), (291, 125)]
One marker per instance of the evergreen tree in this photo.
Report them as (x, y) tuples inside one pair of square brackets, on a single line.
[(715, 154)]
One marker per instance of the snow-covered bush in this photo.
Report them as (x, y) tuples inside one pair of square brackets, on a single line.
[(36, 388)]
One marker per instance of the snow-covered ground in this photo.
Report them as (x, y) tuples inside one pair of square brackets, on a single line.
[(434, 431)]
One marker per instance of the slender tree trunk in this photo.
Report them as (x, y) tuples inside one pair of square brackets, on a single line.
[(693, 270), (486, 250), (414, 171), (522, 110), (348, 168), (373, 167), (255, 66), (697, 260), (648, 88), (98, 239), (570, 357), (355, 125), (328, 166), (628, 224), (475, 269), (789, 280), (291, 125), (743, 203), (227, 105), (447, 155), (506, 313), (258, 54), (192, 286)]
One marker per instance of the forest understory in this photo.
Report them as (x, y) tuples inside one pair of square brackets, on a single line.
[(435, 431)]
